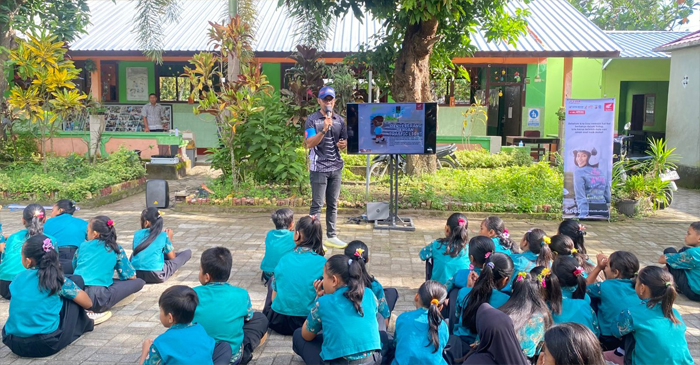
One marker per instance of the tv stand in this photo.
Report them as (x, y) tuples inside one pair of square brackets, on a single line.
[(394, 221)]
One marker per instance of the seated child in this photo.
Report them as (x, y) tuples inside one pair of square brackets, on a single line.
[(292, 288), (576, 231), (482, 288), (535, 252), (46, 309), (657, 329), (616, 293), (346, 313), (684, 265), (421, 335), (225, 310), (96, 261), (571, 344), (562, 245), (184, 342), (278, 242), (529, 312), (68, 230), (388, 297), (154, 257), (33, 218), (494, 228), (445, 256)]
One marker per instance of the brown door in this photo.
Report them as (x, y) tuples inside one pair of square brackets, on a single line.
[(513, 111)]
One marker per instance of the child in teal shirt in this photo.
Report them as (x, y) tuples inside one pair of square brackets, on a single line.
[(278, 242), (70, 232), (565, 293), (154, 257), (184, 342), (494, 228), (445, 256), (535, 252), (386, 297), (346, 313), (684, 265), (225, 310)]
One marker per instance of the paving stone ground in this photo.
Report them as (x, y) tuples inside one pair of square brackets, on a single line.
[(394, 261)]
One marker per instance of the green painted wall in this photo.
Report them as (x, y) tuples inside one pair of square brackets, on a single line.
[(202, 125), (122, 79), (587, 78), (273, 71), (554, 80), (660, 88), (535, 94)]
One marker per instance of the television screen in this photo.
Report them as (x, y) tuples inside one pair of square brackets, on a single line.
[(392, 128)]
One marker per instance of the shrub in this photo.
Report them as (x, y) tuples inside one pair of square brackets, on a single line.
[(484, 159), (19, 147)]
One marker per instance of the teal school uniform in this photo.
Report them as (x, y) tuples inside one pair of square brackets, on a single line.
[(412, 342), (567, 292), (96, 264), (460, 279), (444, 265), (68, 230), (182, 344), (532, 334), (152, 258), (382, 306), (498, 298), (616, 295), (577, 311), (294, 282), (657, 339), (688, 260), (11, 259), (32, 310), (278, 243), (522, 262), (222, 311), (345, 332), (499, 247)]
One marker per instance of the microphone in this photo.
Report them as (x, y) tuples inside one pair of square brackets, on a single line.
[(329, 111)]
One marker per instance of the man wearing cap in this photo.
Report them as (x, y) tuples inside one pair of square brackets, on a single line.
[(326, 134)]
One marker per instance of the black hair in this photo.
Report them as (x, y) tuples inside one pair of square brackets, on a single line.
[(312, 233), (458, 223), (217, 262), (106, 232), (574, 230), (536, 243), (661, 285), (549, 287), (282, 218), (350, 272), (154, 94), (497, 225), (67, 205), (563, 245), (626, 263), (428, 292), (573, 344), (525, 301), (181, 301), (360, 250), (43, 252), (152, 216), (34, 217), (696, 227), (570, 274), (498, 266), (479, 248)]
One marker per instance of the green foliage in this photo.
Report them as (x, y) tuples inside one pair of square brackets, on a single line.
[(484, 159), (151, 17), (19, 147), (355, 160), (637, 14), (66, 19), (343, 82), (304, 81)]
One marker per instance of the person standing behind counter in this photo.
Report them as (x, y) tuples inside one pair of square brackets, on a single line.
[(152, 113)]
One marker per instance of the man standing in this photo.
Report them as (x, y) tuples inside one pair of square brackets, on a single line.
[(326, 134), (152, 113)]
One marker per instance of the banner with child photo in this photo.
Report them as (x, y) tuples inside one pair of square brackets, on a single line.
[(588, 150)]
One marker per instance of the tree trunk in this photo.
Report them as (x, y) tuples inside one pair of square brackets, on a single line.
[(412, 80), (7, 41)]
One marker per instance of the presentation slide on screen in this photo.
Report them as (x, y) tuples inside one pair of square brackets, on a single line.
[(385, 128)]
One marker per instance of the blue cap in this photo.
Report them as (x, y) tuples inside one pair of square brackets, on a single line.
[(326, 91)]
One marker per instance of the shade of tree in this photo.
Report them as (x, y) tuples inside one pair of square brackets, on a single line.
[(637, 14)]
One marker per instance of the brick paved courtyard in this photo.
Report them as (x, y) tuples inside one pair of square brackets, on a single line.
[(394, 261)]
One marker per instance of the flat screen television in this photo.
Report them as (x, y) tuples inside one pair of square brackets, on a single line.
[(392, 128)]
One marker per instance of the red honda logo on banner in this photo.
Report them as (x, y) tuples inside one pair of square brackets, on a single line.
[(419, 106), (608, 107)]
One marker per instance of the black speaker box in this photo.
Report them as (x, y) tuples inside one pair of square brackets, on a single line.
[(157, 194)]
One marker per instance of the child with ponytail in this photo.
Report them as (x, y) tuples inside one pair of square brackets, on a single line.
[(562, 245), (421, 335), (46, 310), (68, 230), (346, 313), (494, 228), (96, 261), (154, 257), (33, 219), (291, 292), (445, 256), (535, 252), (576, 231), (657, 329)]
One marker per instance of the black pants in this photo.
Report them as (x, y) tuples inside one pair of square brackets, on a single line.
[(103, 298), (456, 349), (325, 187), (65, 256), (222, 353), (448, 311), (280, 323), (310, 352), (392, 296), (73, 323), (253, 332), (428, 269), (681, 278), (169, 268), (5, 289), (609, 343)]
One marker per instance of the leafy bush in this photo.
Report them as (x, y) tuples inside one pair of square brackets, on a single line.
[(484, 159), (19, 147)]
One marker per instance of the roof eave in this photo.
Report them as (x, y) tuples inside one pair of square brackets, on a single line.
[(545, 54), (674, 47)]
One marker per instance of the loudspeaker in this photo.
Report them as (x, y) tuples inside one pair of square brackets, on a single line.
[(377, 211), (157, 194)]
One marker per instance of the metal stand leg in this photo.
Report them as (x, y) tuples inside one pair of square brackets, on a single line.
[(394, 221)]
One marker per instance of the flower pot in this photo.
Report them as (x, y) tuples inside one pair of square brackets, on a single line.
[(627, 207)]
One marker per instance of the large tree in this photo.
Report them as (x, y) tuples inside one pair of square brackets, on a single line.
[(637, 14), (417, 35)]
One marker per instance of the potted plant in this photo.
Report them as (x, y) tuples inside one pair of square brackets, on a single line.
[(629, 193)]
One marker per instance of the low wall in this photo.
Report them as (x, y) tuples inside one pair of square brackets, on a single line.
[(66, 143)]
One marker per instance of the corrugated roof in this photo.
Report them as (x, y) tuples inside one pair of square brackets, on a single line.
[(641, 44), (555, 28), (690, 40)]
